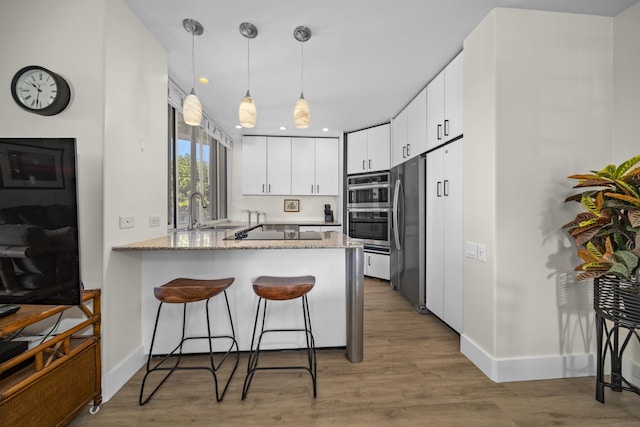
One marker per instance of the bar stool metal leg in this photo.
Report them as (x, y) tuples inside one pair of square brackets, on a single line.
[(213, 366), (254, 354)]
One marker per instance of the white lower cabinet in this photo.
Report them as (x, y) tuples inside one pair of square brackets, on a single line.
[(377, 265), (444, 239)]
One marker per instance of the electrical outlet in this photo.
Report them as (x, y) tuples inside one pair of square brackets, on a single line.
[(127, 221), (482, 252), (154, 221), (472, 250)]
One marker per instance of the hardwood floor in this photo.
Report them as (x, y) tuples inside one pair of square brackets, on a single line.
[(412, 374)]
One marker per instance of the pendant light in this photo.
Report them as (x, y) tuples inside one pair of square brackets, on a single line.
[(247, 110), (192, 108), (301, 111)]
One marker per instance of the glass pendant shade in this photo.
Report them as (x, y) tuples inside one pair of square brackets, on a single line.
[(192, 110), (301, 113), (247, 112)]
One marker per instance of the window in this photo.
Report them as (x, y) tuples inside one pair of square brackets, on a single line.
[(197, 162)]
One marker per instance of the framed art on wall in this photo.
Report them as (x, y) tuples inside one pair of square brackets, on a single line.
[(292, 205)]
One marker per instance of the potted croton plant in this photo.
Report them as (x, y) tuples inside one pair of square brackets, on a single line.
[(607, 233)]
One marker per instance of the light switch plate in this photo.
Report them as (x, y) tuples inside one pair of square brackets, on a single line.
[(472, 250), (482, 252), (154, 221)]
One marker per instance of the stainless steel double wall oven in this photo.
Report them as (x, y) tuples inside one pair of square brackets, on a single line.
[(369, 210)]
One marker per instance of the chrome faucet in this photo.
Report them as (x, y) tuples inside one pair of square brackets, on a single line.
[(202, 202), (257, 216), (246, 211)]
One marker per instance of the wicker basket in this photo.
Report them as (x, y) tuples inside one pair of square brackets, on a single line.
[(617, 300)]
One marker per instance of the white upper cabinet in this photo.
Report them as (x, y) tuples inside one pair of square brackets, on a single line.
[(417, 125), (303, 165), (369, 150), (357, 152), (453, 98), (266, 165), (327, 166), (444, 105), (399, 137), (410, 130), (254, 165), (285, 166), (278, 165), (315, 167), (379, 147)]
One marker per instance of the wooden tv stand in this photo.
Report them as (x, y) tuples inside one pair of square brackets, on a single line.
[(50, 383)]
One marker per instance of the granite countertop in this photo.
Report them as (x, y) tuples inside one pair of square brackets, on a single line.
[(209, 239)]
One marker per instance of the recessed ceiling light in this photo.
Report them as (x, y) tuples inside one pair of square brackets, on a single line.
[(238, 127), (325, 129), (203, 80), (283, 128)]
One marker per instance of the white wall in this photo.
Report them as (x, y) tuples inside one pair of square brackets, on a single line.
[(547, 78), (311, 207), (135, 179), (76, 53), (626, 129), (117, 74)]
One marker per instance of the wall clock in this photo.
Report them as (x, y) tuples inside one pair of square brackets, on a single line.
[(40, 91)]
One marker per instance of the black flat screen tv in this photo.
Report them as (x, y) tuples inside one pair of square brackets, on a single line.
[(39, 250)]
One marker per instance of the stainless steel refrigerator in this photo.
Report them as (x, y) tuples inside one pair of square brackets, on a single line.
[(408, 231)]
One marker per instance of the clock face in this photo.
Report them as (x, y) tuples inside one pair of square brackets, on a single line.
[(36, 89), (40, 91)]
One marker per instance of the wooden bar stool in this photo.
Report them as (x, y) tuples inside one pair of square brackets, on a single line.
[(185, 291), (269, 288)]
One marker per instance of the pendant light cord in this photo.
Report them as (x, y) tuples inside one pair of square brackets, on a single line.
[(193, 60), (301, 67), (248, 67)]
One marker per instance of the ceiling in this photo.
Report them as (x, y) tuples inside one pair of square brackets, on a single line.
[(365, 61)]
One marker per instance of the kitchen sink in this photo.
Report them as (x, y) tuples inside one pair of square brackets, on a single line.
[(221, 227)]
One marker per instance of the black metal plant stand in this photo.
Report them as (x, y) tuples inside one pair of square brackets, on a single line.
[(617, 301)]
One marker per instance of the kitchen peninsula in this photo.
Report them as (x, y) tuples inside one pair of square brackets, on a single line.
[(336, 301)]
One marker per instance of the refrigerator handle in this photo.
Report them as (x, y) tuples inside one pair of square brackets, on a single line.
[(446, 187), (438, 189), (396, 196)]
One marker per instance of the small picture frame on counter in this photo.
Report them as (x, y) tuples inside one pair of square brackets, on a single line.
[(292, 205)]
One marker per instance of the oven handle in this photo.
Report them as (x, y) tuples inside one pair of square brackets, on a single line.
[(366, 186), (368, 209)]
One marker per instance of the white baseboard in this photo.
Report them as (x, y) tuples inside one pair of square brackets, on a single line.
[(529, 368), (113, 380)]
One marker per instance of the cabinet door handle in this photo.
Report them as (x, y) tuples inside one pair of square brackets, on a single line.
[(369, 260), (269, 188), (369, 163), (446, 187), (408, 150), (311, 188), (318, 189), (363, 168), (439, 133), (263, 188), (404, 148), (438, 189), (446, 128)]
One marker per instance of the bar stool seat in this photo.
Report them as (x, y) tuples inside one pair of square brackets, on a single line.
[(185, 291), (276, 288)]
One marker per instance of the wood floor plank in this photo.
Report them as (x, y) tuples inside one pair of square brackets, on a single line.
[(412, 374)]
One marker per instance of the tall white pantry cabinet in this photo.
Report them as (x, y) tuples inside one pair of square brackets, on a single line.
[(444, 230)]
